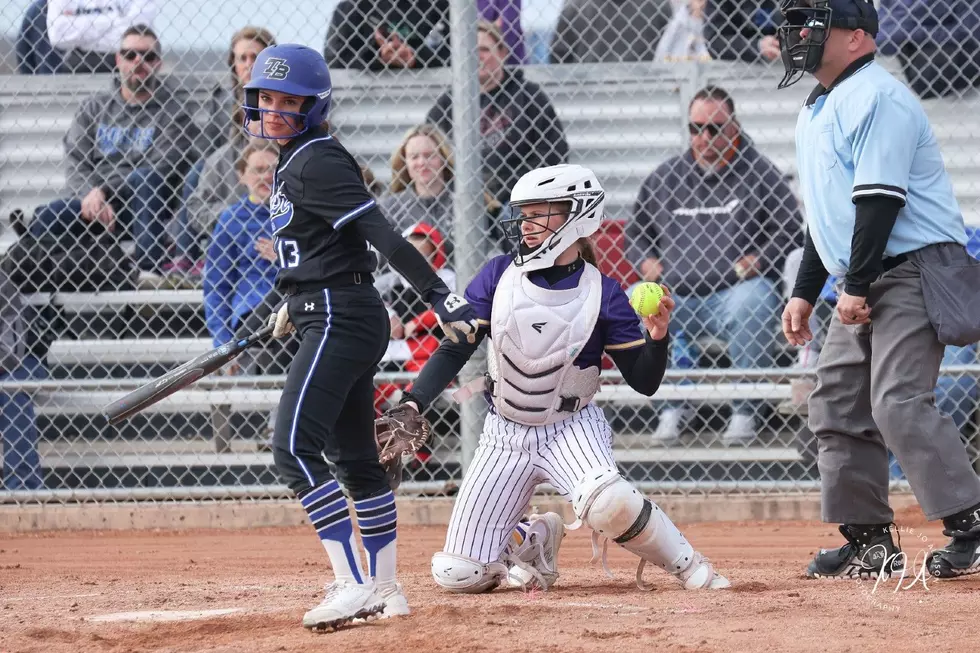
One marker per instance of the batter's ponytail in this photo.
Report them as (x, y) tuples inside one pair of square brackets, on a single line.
[(587, 251)]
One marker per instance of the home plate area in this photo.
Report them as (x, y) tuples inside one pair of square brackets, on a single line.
[(162, 615), (247, 591)]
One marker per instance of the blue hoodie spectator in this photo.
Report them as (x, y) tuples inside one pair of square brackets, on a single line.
[(921, 21), (935, 41), (236, 277)]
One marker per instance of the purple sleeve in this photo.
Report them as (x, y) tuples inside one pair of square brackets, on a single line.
[(480, 291), (618, 321)]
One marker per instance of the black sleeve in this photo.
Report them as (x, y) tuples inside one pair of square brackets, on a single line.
[(812, 274), (440, 370), (780, 219), (874, 219), (401, 255), (643, 367)]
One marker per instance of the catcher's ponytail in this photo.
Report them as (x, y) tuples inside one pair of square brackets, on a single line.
[(587, 251)]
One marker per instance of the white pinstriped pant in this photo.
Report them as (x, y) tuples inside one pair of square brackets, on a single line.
[(510, 461)]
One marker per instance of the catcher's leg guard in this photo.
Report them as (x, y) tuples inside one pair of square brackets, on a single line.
[(613, 508), (458, 573)]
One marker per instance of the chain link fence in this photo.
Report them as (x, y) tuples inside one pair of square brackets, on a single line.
[(136, 232)]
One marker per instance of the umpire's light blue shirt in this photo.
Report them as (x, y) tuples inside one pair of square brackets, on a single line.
[(869, 135)]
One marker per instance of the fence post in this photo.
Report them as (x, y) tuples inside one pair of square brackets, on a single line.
[(468, 232)]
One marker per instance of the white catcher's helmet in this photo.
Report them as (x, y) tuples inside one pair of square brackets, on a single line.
[(573, 184)]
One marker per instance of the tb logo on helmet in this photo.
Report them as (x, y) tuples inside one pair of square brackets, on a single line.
[(287, 69), (276, 68)]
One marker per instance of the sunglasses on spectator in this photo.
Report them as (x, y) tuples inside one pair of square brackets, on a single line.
[(713, 129), (149, 56)]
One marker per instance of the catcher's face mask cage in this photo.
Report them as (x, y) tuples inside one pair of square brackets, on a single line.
[(801, 55), (538, 238)]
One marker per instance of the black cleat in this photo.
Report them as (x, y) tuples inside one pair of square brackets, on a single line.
[(961, 556), (870, 552)]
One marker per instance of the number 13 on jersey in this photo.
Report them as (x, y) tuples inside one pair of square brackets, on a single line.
[(287, 250)]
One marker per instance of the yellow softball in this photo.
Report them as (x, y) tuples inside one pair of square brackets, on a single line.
[(645, 299)]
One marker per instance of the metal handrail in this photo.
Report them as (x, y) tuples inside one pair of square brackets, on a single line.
[(274, 382), (408, 489)]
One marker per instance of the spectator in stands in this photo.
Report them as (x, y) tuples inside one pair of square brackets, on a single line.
[(126, 150), (936, 42), (237, 277), (365, 34), (18, 432), (506, 15), (241, 265), (739, 30), (35, 55), (683, 40), (87, 32), (519, 127), (213, 183), (591, 31), (714, 225), (421, 181), (421, 186)]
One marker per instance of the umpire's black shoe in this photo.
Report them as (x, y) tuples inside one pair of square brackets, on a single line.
[(870, 552), (961, 556)]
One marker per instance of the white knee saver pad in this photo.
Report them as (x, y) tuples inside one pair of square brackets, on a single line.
[(610, 505), (458, 573)]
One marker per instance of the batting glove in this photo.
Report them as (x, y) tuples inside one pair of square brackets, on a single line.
[(281, 325), (455, 316)]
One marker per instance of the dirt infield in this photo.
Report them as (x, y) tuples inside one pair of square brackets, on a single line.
[(56, 590)]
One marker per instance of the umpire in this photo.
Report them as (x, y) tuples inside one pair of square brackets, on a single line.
[(882, 217)]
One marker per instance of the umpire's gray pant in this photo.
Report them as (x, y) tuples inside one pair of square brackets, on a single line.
[(875, 388)]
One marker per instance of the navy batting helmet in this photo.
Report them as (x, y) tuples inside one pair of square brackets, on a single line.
[(294, 70)]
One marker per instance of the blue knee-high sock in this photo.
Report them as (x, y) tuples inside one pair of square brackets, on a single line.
[(377, 520), (326, 506)]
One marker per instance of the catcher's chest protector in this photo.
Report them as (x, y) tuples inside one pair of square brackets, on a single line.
[(535, 335)]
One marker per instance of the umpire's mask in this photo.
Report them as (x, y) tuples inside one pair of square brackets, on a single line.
[(803, 54)]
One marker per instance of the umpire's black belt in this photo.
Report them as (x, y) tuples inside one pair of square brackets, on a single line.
[(892, 262), (335, 281)]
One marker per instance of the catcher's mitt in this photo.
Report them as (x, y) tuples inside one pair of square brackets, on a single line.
[(400, 431)]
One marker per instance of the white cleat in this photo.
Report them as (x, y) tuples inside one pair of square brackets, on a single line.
[(396, 605), (702, 576), (545, 533), (344, 602)]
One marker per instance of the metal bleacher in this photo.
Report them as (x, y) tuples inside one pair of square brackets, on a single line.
[(621, 120)]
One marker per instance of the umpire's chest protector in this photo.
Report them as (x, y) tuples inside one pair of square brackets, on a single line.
[(535, 336)]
